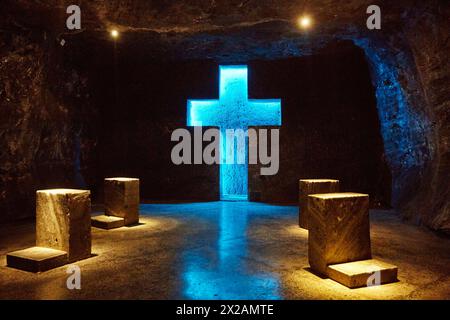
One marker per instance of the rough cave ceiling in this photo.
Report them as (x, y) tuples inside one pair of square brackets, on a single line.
[(224, 30)]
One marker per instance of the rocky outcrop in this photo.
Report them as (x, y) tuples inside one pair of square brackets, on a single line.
[(40, 139)]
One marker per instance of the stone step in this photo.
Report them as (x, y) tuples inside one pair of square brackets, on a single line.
[(107, 222), (357, 273), (36, 259)]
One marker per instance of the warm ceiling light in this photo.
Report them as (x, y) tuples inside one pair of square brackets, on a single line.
[(114, 33), (304, 22)]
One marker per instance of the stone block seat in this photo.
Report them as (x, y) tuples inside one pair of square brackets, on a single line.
[(121, 201), (63, 231), (312, 186), (339, 240)]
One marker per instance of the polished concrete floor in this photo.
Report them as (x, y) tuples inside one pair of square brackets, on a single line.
[(226, 250)]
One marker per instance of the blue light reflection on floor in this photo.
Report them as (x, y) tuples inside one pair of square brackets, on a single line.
[(217, 268)]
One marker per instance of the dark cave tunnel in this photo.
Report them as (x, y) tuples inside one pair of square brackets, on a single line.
[(330, 125)]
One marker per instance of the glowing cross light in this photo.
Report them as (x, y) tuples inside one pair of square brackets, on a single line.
[(234, 111)]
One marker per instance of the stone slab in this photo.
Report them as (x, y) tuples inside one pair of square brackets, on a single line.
[(122, 199), (36, 259), (339, 229), (312, 186), (356, 274), (107, 222), (63, 221)]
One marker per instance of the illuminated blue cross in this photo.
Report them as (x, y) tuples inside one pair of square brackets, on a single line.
[(234, 111)]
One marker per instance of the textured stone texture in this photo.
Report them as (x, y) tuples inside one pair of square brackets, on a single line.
[(311, 186), (63, 221), (107, 222), (339, 229), (122, 199), (356, 274), (43, 92), (36, 259), (43, 98)]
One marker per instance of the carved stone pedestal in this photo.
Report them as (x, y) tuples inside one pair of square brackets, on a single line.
[(63, 231), (338, 229), (121, 203), (312, 186)]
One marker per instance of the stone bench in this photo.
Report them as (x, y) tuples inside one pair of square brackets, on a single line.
[(312, 186), (338, 229), (339, 240), (63, 231), (121, 199)]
